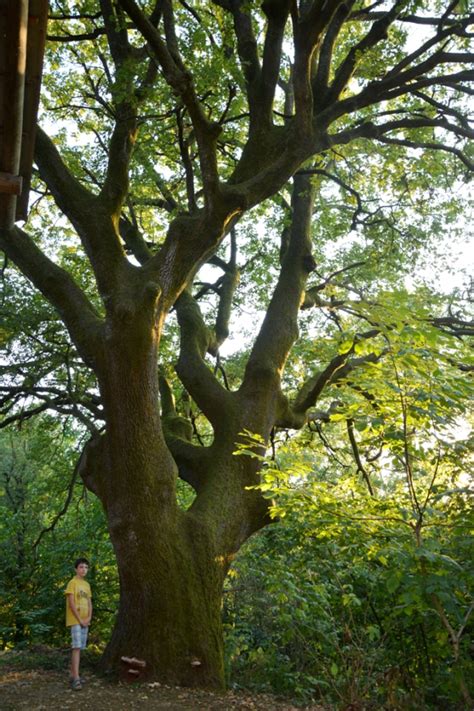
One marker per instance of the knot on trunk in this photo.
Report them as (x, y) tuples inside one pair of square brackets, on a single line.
[(151, 291), (309, 265), (91, 463)]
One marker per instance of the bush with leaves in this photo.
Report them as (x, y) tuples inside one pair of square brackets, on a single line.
[(363, 591)]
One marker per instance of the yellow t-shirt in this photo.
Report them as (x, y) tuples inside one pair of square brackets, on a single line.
[(82, 594)]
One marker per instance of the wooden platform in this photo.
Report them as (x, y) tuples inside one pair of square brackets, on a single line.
[(22, 40)]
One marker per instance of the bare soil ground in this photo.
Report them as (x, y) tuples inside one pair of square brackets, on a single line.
[(38, 680)]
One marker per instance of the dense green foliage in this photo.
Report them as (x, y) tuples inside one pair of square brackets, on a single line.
[(47, 520), (363, 592), (344, 613)]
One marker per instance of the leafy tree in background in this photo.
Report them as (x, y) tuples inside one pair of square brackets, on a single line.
[(365, 593), (46, 522), (170, 123)]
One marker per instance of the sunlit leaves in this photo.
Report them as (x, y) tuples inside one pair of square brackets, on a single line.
[(360, 575)]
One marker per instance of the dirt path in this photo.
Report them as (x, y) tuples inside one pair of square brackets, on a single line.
[(48, 690)]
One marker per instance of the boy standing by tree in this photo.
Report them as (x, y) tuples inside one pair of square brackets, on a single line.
[(78, 616)]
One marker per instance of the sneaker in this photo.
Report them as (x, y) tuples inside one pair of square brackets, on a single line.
[(76, 685)]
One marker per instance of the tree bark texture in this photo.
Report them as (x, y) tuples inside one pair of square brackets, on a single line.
[(171, 563), (170, 597)]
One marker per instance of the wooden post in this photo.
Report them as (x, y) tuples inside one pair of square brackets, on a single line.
[(37, 22), (10, 184), (13, 40)]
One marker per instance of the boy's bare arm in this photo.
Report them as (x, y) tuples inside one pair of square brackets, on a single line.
[(88, 619), (73, 608)]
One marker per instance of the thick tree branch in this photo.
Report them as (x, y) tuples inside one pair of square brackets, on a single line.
[(97, 231), (399, 79), (376, 34), (454, 325), (27, 414), (308, 28), (80, 37), (60, 404), (439, 37), (115, 188), (226, 292), (15, 393), (186, 160), (367, 14), (321, 77), (196, 376), (277, 12), (56, 285), (77, 16), (192, 461), (180, 80), (312, 389), (339, 367), (170, 33), (178, 432), (379, 91), (133, 239), (117, 35), (279, 329), (70, 195), (378, 131), (248, 52)]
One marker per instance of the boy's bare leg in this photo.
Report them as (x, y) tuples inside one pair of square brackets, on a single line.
[(75, 659)]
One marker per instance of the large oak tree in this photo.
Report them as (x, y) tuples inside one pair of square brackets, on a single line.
[(173, 120)]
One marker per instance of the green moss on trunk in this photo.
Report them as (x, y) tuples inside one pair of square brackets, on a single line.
[(170, 600)]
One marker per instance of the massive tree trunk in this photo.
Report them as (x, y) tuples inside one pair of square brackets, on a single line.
[(170, 596), (171, 563), (169, 581)]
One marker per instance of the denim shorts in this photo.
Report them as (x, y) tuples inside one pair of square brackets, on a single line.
[(79, 636)]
